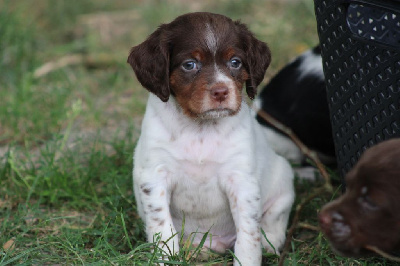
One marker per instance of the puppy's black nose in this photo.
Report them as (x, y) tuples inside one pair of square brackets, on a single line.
[(219, 93)]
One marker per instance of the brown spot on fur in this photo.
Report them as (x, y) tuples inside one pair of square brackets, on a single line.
[(145, 188), (198, 55), (228, 53)]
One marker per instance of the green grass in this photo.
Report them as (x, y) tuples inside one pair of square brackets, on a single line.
[(66, 138)]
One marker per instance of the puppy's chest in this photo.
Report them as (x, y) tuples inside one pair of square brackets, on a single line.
[(200, 163), (198, 199), (200, 158)]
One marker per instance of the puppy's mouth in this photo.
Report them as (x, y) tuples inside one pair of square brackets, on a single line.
[(339, 234), (216, 113)]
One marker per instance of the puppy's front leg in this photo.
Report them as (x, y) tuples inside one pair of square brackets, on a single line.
[(154, 197), (244, 199)]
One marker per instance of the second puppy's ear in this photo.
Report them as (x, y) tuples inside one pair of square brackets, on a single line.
[(150, 62)]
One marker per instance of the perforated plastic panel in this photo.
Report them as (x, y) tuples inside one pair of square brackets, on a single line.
[(361, 59), (374, 24)]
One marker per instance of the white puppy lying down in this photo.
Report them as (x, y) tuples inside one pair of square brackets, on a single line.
[(202, 158)]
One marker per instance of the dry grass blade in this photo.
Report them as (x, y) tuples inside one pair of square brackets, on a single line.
[(316, 192), (309, 227), (99, 60), (304, 149), (54, 65), (9, 245), (299, 208), (382, 253)]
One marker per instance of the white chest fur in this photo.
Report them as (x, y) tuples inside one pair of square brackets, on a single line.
[(195, 158), (196, 192), (215, 176)]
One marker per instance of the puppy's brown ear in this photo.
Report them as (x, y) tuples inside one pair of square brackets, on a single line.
[(150, 62), (258, 58)]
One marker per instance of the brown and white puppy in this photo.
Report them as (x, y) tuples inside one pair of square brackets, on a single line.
[(202, 162), (368, 214)]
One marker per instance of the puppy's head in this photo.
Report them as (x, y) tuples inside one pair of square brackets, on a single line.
[(203, 60), (368, 214)]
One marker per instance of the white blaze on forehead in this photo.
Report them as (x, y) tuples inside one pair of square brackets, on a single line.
[(211, 39), (222, 77), (218, 76), (212, 42)]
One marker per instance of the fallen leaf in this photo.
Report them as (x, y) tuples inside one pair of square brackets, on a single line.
[(9, 245)]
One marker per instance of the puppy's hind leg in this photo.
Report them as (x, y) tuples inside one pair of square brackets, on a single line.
[(274, 223), (276, 210)]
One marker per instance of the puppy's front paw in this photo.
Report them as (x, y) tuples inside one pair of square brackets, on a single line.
[(165, 247)]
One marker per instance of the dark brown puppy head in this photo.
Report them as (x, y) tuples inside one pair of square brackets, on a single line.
[(368, 214), (203, 60)]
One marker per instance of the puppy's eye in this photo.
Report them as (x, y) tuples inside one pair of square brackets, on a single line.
[(189, 65), (235, 63), (365, 201)]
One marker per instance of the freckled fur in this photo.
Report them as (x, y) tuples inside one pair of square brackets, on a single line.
[(206, 161)]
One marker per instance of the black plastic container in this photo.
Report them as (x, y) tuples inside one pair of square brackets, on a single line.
[(360, 44)]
